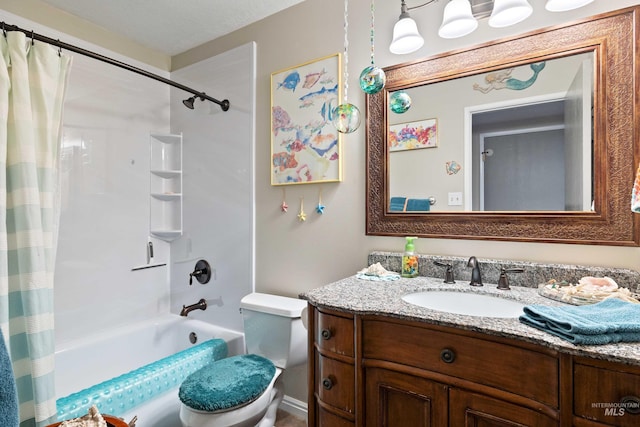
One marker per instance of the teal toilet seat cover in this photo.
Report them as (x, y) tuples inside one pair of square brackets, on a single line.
[(227, 383)]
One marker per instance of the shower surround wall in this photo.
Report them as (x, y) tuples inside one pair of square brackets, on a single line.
[(104, 224), (218, 186), (104, 219)]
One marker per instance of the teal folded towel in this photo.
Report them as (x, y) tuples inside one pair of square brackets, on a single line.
[(418, 205), (8, 393), (608, 321), (397, 203)]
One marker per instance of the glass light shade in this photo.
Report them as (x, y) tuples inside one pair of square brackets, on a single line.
[(564, 5), (509, 12), (457, 20), (406, 38)]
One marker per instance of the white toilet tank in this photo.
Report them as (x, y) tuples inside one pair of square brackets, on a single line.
[(274, 329)]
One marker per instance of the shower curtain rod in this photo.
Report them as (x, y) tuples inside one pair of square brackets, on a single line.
[(224, 104)]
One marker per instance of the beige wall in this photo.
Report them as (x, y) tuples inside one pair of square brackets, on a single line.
[(292, 257)]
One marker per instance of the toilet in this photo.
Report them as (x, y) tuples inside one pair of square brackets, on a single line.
[(246, 390)]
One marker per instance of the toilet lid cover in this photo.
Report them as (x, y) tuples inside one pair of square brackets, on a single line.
[(227, 383)]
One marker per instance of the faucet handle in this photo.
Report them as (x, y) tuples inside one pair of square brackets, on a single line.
[(202, 272), (503, 280), (448, 275)]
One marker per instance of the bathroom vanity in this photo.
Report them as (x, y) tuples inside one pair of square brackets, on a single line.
[(376, 360)]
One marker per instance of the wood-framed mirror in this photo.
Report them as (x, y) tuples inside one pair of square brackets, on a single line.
[(593, 208)]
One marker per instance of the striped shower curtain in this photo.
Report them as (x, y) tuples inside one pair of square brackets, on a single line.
[(33, 79)]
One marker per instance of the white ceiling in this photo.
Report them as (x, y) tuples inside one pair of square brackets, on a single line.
[(172, 26)]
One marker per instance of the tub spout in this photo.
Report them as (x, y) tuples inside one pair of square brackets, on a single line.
[(200, 305)]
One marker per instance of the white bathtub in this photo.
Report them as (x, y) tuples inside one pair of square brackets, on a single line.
[(91, 361)]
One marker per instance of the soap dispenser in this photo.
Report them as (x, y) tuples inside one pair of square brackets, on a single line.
[(409, 259)]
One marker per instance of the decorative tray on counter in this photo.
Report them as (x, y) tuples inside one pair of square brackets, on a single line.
[(589, 291)]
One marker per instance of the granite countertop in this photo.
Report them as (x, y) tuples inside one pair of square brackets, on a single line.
[(385, 298)]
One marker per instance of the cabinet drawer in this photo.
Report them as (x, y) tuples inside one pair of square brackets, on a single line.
[(335, 383), (529, 373), (608, 395), (334, 333), (328, 419)]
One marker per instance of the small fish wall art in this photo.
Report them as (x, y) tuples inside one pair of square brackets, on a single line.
[(453, 167), (305, 146), (502, 79)]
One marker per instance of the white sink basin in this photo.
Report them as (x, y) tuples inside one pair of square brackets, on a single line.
[(467, 303)]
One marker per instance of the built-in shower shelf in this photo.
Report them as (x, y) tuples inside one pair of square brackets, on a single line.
[(165, 210), (167, 173), (166, 234), (167, 196)]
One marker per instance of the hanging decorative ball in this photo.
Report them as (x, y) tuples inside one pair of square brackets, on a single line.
[(372, 79), (400, 102), (346, 118)]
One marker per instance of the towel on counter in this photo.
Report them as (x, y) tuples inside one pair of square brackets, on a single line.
[(377, 272), (8, 393), (608, 321)]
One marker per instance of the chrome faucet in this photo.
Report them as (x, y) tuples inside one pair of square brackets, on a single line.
[(476, 278), (200, 305)]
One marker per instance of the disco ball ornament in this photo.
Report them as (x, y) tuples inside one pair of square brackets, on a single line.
[(372, 79), (400, 102), (346, 118)]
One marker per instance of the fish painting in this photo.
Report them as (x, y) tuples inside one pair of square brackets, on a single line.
[(304, 142), (312, 78), (324, 94), (290, 82)]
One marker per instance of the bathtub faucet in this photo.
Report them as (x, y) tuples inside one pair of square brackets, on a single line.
[(200, 305)]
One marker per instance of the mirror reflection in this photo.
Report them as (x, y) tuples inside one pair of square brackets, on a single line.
[(514, 139)]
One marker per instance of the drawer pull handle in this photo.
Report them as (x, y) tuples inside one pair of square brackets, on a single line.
[(631, 404), (327, 383), (326, 334), (447, 355)]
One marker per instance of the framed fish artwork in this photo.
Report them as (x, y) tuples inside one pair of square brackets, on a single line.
[(305, 145)]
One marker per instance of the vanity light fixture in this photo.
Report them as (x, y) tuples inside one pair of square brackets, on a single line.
[(406, 38), (564, 5), (460, 18), (509, 12)]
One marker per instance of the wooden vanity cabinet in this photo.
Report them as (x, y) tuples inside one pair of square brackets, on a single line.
[(368, 371), (424, 375)]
